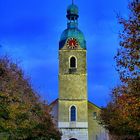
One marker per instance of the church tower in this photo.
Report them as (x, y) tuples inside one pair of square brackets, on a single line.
[(72, 103)]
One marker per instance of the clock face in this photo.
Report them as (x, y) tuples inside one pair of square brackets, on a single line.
[(72, 43)]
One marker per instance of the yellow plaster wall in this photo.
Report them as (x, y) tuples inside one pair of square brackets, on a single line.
[(94, 129), (72, 86)]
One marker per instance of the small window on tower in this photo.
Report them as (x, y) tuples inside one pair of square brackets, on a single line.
[(94, 115), (73, 62)]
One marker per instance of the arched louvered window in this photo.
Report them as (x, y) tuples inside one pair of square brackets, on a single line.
[(73, 113), (72, 62)]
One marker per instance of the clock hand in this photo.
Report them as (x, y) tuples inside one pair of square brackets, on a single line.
[(72, 44)]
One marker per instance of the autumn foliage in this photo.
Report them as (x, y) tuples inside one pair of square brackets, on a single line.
[(122, 114), (22, 114)]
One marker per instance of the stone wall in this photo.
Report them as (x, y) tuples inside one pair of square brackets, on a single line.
[(64, 56)]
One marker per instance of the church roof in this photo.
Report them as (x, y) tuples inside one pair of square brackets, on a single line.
[(92, 104), (54, 102), (72, 9)]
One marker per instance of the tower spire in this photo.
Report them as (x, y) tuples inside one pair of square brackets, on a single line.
[(72, 15)]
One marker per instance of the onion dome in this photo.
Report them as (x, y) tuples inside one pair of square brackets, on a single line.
[(72, 30)]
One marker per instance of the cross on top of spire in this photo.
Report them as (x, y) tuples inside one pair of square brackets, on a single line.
[(72, 1)]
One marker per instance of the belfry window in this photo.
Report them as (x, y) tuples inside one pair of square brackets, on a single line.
[(73, 113), (72, 62)]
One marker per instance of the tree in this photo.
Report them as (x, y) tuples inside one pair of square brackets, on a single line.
[(129, 53), (22, 114), (122, 114)]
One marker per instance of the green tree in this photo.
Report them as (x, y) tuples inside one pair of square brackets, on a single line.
[(121, 116), (22, 114)]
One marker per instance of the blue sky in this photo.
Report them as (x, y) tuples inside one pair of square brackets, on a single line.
[(30, 31)]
